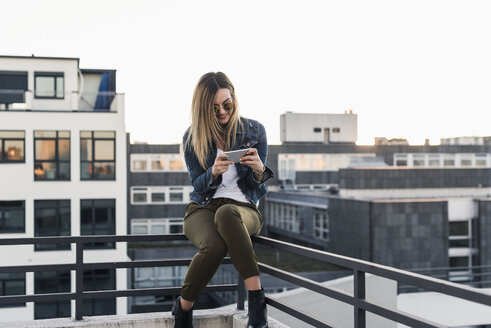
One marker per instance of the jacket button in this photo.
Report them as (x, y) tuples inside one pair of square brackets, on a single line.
[(203, 202), (206, 198), (248, 144)]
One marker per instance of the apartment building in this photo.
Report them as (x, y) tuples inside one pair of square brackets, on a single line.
[(62, 173)]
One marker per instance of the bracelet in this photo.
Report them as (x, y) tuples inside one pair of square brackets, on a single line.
[(260, 173)]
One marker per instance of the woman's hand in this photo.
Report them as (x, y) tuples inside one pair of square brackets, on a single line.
[(252, 160), (220, 166)]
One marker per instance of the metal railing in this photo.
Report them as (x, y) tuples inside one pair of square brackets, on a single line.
[(25, 100), (79, 266), (357, 299), (478, 276)]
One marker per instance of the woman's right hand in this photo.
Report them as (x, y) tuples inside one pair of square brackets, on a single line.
[(220, 166)]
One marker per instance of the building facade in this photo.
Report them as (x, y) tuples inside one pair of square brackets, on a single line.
[(158, 192), (319, 128), (63, 173), (418, 198)]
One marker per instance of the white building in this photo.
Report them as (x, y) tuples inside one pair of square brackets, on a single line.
[(322, 128), (466, 141), (62, 173)]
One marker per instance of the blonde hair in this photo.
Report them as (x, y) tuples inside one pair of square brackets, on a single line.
[(204, 124)]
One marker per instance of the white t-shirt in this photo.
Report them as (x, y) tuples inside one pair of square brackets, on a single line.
[(229, 188)]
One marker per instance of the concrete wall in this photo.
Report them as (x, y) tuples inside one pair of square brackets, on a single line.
[(411, 234), (349, 228), (393, 233), (414, 178)]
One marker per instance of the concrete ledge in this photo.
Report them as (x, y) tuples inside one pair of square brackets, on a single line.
[(214, 318), (201, 319), (240, 321)]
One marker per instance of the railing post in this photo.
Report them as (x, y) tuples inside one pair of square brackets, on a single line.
[(240, 292), (79, 280), (359, 293)]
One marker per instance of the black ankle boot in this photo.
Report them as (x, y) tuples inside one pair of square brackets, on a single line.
[(183, 319), (258, 316)]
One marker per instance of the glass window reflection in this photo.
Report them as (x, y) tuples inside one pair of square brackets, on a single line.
[(97, 155), (52, 155)]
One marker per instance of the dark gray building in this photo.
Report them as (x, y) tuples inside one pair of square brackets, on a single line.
[(410, 207)]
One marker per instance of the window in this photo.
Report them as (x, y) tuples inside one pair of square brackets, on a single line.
[(481, 159), (319, 162), (12, 283), (289, 164), (157, 163), (13, 85), (434, 159), (442, 160), (138, 165), (286, 217), (98, 217), (317, 130), (99, 279), (449, 160), (176, 194), (321, 225), (460, 234), (98, 155), (400, 159), (418, 160), (12, 216), (12, 144), (51, 155), (157, 197), (139, 195), (160, 195), (304, 162), (156, 226), (465, 160), (52, 218), (51, 282), (49, 85), (336, 130), (175, 163)]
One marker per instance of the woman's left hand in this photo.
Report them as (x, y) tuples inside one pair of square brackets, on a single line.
[(252, 160)]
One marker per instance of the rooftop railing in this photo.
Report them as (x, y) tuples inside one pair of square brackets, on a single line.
[(478, 276), (356, 299), (80, 266), (26, 100)]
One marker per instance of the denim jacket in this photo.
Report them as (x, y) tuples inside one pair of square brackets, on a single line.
[(253, 135)]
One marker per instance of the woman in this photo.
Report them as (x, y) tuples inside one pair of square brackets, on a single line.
[(222, 214)]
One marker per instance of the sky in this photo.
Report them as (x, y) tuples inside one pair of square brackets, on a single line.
[(409, 69)]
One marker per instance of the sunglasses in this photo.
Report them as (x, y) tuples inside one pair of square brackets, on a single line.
[(228, 106)]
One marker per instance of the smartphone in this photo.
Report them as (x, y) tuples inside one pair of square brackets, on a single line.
[(235, 155)]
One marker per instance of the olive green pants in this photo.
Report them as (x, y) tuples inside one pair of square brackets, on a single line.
[(222, 225)]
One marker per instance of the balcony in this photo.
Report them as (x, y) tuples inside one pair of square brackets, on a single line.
[(24, 100), (362, 311)]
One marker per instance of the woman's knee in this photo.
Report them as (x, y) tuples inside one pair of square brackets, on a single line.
[(227, 214)]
